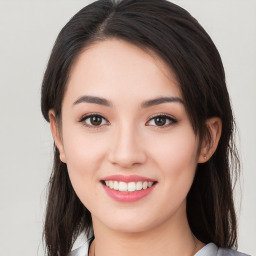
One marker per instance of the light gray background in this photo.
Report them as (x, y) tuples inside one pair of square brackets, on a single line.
[(27, 32)]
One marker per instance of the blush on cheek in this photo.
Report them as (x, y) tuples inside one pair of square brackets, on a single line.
[(177, 155), (84, 151)]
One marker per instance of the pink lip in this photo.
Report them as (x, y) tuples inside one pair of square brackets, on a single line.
[(127, 196), (129, 178)]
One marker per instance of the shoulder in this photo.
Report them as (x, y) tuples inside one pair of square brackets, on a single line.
[(212, 250), (229, 252), (81, 251)]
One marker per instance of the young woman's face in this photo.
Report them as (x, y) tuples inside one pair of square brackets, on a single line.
[(124, 124)]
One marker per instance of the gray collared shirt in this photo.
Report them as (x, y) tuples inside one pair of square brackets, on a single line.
[(208, 250)]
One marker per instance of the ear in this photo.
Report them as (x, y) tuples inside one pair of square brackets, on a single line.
[(56, 135), (210, 143)]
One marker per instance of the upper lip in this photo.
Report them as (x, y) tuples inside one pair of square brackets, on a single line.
[(127, 178)]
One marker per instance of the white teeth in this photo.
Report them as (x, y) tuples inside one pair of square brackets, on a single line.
[(139, 185), (110, 184), (150, 184), (130, 186), (122, 186), (116, 185)]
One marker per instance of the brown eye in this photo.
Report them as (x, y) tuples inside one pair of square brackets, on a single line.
[(162, 120), (94, 120)]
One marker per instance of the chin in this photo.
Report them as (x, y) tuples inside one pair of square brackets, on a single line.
[(131, 221), (130, 228)]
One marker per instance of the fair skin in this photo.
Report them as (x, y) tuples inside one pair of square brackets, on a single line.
[(131, 135)]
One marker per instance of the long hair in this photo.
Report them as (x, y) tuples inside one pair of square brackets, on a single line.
[(176, 37)]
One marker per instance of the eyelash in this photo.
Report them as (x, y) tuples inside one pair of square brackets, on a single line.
[(165, 116), (85, 117), (171, 120)]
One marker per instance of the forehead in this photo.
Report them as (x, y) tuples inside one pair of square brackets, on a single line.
[(116, 66)]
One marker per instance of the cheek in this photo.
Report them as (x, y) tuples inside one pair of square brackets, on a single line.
[(176, 154), (83, 151), (84, 154), (176, 160)]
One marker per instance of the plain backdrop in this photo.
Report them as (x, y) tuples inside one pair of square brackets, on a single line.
[(27, 32)]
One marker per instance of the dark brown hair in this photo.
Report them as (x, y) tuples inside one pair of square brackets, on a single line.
[(177, 38)]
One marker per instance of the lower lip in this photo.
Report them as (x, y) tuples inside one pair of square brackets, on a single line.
[(128, 196)]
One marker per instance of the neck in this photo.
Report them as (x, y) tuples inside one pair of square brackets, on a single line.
[(173, 237)]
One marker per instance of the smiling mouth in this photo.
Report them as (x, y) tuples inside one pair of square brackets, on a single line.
[(128, 186)]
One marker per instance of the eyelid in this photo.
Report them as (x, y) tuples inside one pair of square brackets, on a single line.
[(84, 117), (172, 119)]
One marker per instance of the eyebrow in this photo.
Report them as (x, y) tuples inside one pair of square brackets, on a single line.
[(145, 104), (93, 99), (161, 100)]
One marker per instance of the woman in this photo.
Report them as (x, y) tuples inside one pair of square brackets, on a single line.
[(139, 111)]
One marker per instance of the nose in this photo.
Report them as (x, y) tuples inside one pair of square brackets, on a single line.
[(127, 149)]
